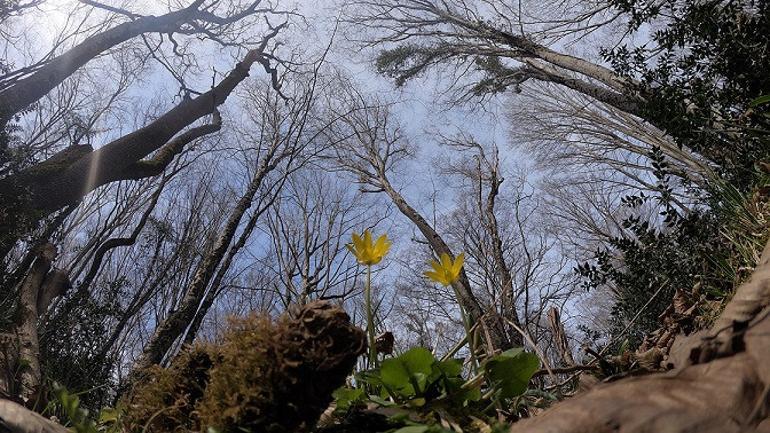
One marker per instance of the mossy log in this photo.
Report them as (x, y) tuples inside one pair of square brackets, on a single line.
[(263, 375)]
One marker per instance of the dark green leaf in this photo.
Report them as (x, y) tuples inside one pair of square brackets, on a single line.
[(511, 371), (407, 374), (347, 397)]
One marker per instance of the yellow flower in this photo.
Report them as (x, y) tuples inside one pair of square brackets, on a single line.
[(366, 251), (446, 271)]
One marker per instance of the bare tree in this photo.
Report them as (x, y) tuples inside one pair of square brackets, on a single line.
[(373, 145), (283, 134), (485, 240), (482, 36), (50, 108), (510, 255), (67, 176), (309, 226), (569, 132)]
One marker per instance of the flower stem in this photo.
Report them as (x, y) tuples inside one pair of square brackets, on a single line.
[(370, 318), (469, 334)]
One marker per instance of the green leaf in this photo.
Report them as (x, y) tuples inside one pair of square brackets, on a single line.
[(413, 429), (109, 415), (347, 397), (407, 374), (511, 371), (471, 394), (450, 367), (381, 401), (762, 100), (417, 402), (462, 396)]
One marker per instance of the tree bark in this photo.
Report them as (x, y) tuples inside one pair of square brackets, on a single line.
[(508, 303), (560, 337), (618, 99), (67, 177), (721, 387), (468, 301), (216, 282), (26, 91), (174, 326), (99, 167), (15, 418), (37, 291)]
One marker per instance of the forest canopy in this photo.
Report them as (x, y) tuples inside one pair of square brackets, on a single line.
[(384, 216)]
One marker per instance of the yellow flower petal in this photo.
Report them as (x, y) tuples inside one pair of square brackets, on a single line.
[(382, 245), (446, 262), (357, 242), (446, 271), (367, 252), (436, 276), (458, 264), (436, 266)]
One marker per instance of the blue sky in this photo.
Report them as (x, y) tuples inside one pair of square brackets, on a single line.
[(419, 105)]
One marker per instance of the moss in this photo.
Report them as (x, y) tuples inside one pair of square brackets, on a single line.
[(266, 376), (164, 399)]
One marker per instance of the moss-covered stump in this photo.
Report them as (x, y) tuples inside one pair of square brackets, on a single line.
[(264, 375)]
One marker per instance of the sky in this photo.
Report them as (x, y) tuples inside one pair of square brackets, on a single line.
[(418, 99), (419, 106)]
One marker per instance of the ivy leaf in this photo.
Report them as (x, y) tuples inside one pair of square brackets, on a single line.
[(511, 371)]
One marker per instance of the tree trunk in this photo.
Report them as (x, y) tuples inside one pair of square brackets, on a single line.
[(174, 326), (15, 418), (560, 337), (68, 176), (37, 291), (26, 91), (508, 303), (467, 300)]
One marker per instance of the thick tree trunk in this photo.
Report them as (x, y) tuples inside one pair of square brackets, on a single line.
[(68, 176), (118, 159), (26, 91), (26, 329), (38, 289), (621, 100), (620, 90)]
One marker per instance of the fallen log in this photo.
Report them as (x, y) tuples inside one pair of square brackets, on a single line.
[(721, 383), (15, 418)]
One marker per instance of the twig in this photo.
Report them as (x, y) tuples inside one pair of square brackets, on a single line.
[(565, 370), (633, 320), (534, 347)]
